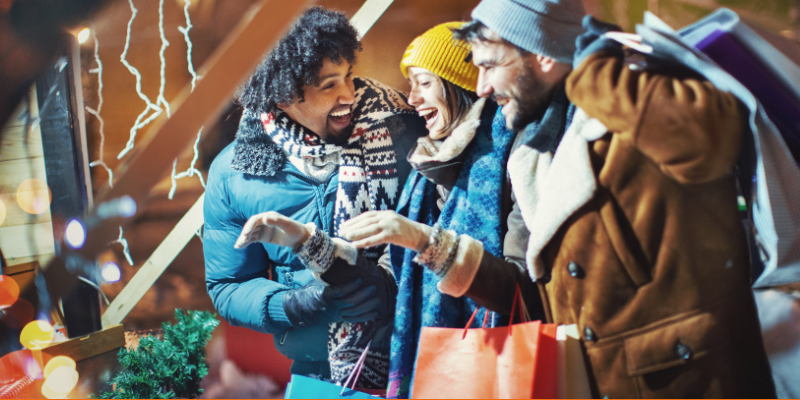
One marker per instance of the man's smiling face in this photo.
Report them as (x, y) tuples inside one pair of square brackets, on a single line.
[(510, 78), (327, 106)]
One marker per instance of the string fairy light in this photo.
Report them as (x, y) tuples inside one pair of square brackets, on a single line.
[(189, 172), (164, 44), (125, 250), (185, 32), (192, 169), (96, 113), (141, 121)]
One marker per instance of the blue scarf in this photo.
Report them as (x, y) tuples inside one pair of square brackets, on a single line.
[(474, 208)]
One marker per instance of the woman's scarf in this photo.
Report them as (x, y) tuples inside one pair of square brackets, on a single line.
[(474, 208)]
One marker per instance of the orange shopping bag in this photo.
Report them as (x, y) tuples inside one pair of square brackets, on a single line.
[(518, 361)]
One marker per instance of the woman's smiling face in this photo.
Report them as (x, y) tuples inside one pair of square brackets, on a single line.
[(428, 98)]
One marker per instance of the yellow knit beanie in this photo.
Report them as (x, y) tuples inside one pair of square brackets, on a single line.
[(437, 51)]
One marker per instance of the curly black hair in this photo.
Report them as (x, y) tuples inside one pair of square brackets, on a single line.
[(297, 58)]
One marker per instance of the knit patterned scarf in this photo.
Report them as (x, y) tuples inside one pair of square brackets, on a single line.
[(474, 207), (368, 166)]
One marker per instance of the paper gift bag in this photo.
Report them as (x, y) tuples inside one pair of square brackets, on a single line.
[(303, 387), (751, 58), (573, 381), (518, 361)]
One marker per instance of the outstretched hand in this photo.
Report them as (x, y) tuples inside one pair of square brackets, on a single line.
[(374, 228), (274, 228)]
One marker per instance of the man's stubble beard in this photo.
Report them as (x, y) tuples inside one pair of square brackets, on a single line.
[(533, 96)]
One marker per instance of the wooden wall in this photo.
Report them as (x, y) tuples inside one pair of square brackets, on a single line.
[(24, 237)]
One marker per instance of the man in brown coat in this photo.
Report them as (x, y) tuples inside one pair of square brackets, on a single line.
[(634, 230)]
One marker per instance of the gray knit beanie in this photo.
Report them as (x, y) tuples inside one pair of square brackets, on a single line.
[(544, 27)]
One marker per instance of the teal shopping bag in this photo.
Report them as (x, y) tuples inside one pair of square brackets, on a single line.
[(303, 387)]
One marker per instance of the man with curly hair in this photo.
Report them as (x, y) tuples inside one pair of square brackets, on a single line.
[(315, 147)]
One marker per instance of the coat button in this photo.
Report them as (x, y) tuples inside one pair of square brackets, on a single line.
[(574, 270), (683, 351), (588, 334)]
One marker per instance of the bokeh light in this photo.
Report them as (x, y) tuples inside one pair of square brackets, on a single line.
[(36, 335), (75, 235), (33, 196), (2, 212), (57, 362), (110, 272), (127, 206), (32, 368), (60, 382), (18, 315), (83, 35), (12, 365), (9, 291)]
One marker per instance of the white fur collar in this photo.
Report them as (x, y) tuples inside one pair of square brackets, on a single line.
[(454, 144), (550, 189)]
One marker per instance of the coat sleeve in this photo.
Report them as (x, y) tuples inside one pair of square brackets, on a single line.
[(491, 281), (685, 125), (237, 279)]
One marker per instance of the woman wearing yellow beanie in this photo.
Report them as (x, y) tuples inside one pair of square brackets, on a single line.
[(451, 254)]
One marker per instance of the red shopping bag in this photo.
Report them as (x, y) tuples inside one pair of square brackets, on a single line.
[(518, 361)]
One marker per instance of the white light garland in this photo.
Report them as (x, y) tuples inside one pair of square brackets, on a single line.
[(96, 113), (192, 169), (185, 32), (189, 172), (164, 43), (125, 250), (140, 120)]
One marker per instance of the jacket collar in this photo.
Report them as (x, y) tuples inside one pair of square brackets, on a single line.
[(552, 189), (255, 152), (545, 133)]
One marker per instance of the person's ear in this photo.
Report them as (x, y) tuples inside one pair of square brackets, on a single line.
[(282, 106), (546, 63)]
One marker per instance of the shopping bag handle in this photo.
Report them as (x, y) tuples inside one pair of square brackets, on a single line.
[(356, 372), (524, 316), (472, 318)]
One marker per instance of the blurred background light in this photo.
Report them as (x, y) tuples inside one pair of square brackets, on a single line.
[(110, 272), (83, 35), (75, 234), (18, 315), (60, 382), (9, 291), (32, 368), (57, 362), (127, 206), (33, 196), (36, 335)]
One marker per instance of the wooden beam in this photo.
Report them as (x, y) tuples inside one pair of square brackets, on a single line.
[(161, 258), (226, 69), (88, 346), (368, 14)]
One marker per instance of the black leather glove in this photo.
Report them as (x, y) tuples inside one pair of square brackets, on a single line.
[(590, 42), (316, 303)]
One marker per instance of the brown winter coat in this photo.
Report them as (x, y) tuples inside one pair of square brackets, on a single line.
[(652, 264)]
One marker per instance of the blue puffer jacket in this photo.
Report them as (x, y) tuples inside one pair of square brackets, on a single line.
[(238, 281), (252, 176)]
